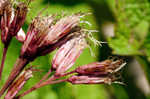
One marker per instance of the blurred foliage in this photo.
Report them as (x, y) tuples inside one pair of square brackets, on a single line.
[(131, 40), (132, 28)]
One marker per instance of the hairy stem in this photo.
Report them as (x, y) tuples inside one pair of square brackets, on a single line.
[(3, 60), (18, 67)]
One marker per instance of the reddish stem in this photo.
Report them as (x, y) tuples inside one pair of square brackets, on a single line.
[(51, 80), (45, 76), (3, 60), (68, 73), (18, 67), (39, 86)]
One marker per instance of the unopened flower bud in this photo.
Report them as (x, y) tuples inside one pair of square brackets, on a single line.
[(94, 79), (105, 72), (18, 84), (100, 68), (68, 53), (89, 80)]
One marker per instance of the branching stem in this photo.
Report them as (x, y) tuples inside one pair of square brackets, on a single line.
[(41, 83), (18, 67)]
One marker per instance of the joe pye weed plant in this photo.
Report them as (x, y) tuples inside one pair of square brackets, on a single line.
[(44, 35)]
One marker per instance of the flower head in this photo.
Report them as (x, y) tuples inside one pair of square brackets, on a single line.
[(68, 53), (92, 80), (11, 19), (43, 34), (100, 68), (62, 28), (98, 72), (37, 31)]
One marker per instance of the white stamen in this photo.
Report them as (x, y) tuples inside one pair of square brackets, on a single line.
[(118, 82), (91, 51), (120, 67), (86, 22), (96, 42), (90, 36)]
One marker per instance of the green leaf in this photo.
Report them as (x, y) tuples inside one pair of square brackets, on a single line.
[(123, 46), (141, 30)]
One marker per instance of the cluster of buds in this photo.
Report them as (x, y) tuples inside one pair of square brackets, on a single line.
[(98, 72), (94, 73), (44, 35), (105, 72)]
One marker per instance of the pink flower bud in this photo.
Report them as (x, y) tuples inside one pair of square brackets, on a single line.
[(43, 35), (90, 80), (62, 28), (104, 72), (18, 84), (37, 31), (68, 53), (100, 68)]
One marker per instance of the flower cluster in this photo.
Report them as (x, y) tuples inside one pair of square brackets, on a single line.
[(98, 72), (46, 34), (12, 17)]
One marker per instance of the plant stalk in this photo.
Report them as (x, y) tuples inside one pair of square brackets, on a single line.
[(45, 76), (39, 86), (18, 67), (51, 80), (3, 60)]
